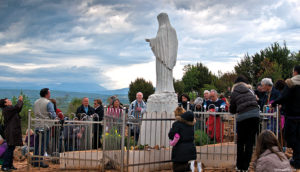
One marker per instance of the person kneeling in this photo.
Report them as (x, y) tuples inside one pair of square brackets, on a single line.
[(269, 155)]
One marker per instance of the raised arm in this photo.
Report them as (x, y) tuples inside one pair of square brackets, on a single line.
[(19, 104)]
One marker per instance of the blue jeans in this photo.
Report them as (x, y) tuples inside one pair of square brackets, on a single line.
[(272, 125), (24, 150), (39, 132)]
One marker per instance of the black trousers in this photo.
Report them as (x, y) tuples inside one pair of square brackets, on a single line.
[(181, 166), (8, 157), (292, 135), (97, 132), (246, 132)]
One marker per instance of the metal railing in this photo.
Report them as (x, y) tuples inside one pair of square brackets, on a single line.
[(71, 143), (127, 143)]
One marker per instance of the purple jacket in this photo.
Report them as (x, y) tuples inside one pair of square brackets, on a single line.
[(3, 148), (31, 140)]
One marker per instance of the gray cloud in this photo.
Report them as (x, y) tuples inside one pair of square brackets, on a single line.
[(78, 39)]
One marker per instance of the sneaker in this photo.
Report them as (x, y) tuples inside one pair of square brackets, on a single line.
[(192, 166), (5, 169), (199, 166)]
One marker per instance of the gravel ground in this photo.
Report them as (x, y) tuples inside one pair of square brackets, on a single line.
[(22, 165)]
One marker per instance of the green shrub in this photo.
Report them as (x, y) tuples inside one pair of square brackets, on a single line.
[(73, 105), (140, 85), (201, 138), (112, 142), (131, 141)]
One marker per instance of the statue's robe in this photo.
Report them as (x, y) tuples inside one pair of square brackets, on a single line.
[(164, 47)]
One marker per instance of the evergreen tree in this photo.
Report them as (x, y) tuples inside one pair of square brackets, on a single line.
[(140, 85), (178, 86), (73, 105), (195, 76)]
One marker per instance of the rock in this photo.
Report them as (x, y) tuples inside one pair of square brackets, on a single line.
[(18, 155)]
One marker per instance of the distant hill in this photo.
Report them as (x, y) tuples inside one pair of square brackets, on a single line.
[(113, 92), (67, 96)]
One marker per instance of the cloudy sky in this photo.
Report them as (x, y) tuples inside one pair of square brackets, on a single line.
[(102, 43)]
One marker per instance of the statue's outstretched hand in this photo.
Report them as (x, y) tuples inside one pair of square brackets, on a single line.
[(147, 40)]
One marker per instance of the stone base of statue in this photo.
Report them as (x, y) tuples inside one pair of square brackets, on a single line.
[(157, 121)]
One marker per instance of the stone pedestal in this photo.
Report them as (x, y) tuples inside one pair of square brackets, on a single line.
[(156, 126)]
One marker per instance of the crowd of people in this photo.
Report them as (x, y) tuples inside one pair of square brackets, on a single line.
[(247, 104), (241, 99), (70, 137)]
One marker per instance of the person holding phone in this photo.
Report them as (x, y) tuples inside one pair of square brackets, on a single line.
[(12, 130)]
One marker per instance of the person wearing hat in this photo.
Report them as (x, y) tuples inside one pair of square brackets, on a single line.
[(198, 104), (184, 150), (243, 103)]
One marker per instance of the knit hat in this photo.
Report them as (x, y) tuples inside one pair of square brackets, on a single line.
[(198, 101), (188, 116)]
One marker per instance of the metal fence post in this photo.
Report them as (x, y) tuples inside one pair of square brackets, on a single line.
[(277, 120), (28, 140), (103, 144), (123, 139)]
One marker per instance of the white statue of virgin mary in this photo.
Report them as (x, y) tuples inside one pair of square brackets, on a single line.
[(164, 47)]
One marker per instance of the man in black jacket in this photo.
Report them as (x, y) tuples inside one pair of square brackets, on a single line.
[(97, 128), (85, 108), (290, 98), (271, 93)]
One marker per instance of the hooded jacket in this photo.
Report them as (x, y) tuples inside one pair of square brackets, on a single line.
[(185, 149), (290, 97), (243, 101)]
